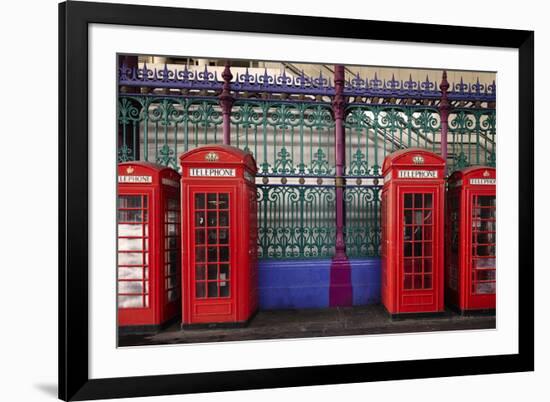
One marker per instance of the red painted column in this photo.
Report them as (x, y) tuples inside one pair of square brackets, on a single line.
[(341, 292), (226, 102), (444, 108)]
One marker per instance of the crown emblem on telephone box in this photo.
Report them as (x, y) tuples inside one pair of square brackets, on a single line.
[(211, 157), (130, 170), (419, 160)]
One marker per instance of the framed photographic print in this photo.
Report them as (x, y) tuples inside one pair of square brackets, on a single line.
[(259, 201)]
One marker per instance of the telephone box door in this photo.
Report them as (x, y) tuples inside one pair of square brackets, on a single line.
[(212, 276), (135, 240), (420, 248), (482, 260)]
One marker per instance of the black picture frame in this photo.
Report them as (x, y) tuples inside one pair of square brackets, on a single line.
[(74, 381)]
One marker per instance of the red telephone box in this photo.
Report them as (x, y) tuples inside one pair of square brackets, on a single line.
[(471, 239), (412, 232), (219, 243), (148, 245)]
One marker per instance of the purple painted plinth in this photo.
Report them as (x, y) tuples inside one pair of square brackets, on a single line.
[(341, 290)]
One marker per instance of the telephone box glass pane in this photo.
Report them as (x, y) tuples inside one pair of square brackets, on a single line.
[(417, 240), (199, 201), (483, 244), (172, 250), (133, 254)]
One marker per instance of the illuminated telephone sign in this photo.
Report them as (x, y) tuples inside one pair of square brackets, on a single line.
[(412, 223), (148, 273), (219, 242), (471, 239)]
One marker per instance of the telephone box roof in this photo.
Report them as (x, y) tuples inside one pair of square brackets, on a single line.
[(146, 165), (472, 171), (225, 153), (405, 157)]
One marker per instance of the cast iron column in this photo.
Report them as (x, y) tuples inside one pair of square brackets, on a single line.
[(226, 102), (444, 108), (341, 293)]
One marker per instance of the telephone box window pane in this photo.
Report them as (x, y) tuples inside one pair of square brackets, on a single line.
[(408, 233), (212, 254), (224, 289), (224, 218), (125, 301), (130, 273), (130, 259), (408, 200), (125, 244), (212, 219), (212, 271), (418, 233), (199, 218), (171, 216), (173, 204), (408, 265), (427, 217), (199, 254), (427, 282), (212, 201), (130, 201), (418, 249), (485, 288), (427, 201), (130, 230), (418, 281), (212, 289), (224, 271), (486, 275), (223, 201), (199, 201), (427, 249), (408, 217), (427, 265), (171, 242), (418, 200), (200, 289), (172, 294), (407, 282), (199, 273), (212, 236), (199, 236), (130, 215), (484, 263), (224, 253), (418, 217), (486, 201), (417, 265), (131, 287), (171, 229), (224, 236), (408, 249)]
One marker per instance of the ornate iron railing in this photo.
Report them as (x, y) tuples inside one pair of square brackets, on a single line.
[(290, 132)]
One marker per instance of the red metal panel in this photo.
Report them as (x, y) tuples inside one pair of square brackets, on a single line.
[(412, 232), (218, 235)]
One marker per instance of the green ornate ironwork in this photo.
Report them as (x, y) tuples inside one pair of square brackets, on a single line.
[(285, 138), (296, 140), (472, 138), (296, 221), (362, 230)]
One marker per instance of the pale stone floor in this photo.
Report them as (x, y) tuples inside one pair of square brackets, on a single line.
[(284, 324)]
